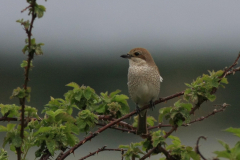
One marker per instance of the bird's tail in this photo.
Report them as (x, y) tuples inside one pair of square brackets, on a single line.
[(142, 123)]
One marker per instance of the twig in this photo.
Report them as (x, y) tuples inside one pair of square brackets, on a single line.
[(100, 150), (25, 8), (121, 123), (196, 120), (120, 129), (197, 147), (115, 122), (229, 68)]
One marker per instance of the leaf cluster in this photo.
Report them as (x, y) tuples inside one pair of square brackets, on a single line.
[(113, 104), (133, 151), (179, 151), (3, 154), (177, 114), (202, 86), (34, 48), (230, 153)]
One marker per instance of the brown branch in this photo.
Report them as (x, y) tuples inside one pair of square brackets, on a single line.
[(224, 106), (30, 57), (120, 129), (197, 147), (88, 138), (100, 150), (121, 123), (25, 8), (229, 68)]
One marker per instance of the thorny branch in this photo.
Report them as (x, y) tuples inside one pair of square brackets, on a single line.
[(30, 57), (102, 149), (224, 106), (197, 147), (88, 138)]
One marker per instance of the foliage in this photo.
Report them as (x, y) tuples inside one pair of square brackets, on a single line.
[(202, 86), (180, 151), (150, 121), (177, 114), (230, 153), (3, 154), (113, 104), (133, 150)]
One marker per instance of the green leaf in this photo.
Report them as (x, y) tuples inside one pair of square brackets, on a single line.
[(51, 145), (42, 130), (235, 131), (150, 121), (73, 84), (224, 154), (3, 129), (10, 126), (225, 145), (224, 80), (123, 146), (114, 93), (17, 141), (179, 123), (87, 93), (211, 97)]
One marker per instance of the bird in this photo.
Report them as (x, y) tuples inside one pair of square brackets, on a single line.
[(143, 83)]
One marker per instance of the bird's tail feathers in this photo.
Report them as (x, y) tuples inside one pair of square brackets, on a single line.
[(142, 123)]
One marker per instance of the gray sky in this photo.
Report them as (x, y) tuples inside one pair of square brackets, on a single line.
[(99, 26)]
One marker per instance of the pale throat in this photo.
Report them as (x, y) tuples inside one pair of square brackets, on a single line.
[(137, 62)]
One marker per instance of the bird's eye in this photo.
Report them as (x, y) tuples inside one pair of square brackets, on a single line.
[(136, 53)]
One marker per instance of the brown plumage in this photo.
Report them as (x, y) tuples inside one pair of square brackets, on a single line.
[(143, 82)]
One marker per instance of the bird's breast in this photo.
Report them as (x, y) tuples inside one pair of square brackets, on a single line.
[(143, 84)]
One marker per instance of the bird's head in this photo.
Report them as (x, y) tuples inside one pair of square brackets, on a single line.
[(139, 56)]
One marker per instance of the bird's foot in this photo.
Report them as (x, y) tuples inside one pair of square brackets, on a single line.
[(137, 109), (152, 105)]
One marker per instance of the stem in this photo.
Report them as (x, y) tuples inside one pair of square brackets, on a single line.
[(30, 57)]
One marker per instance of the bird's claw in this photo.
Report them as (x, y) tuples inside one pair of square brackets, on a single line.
[(152, 105), (137, 109)]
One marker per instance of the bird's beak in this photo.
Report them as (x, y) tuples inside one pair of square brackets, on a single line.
[(126, 56)]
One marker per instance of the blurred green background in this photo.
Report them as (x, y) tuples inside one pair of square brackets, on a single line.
[(84, 41)]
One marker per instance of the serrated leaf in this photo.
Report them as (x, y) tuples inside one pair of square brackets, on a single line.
[(3, 129), (73, 84), (87, 93), (114, 93), (235, 131), (211, 97), (224, 80), (42, 130), (225, 145), (51, 145), (150, 121), (123, 146), (17, 141), (10, 126), (224, 154)]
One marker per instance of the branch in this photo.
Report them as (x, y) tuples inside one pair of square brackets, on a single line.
[(197, 147), (30, 57), (100, 150), (88, 138), (231, 67), (224, 106)]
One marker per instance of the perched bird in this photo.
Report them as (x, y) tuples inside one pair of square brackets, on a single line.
[(143, 83)]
